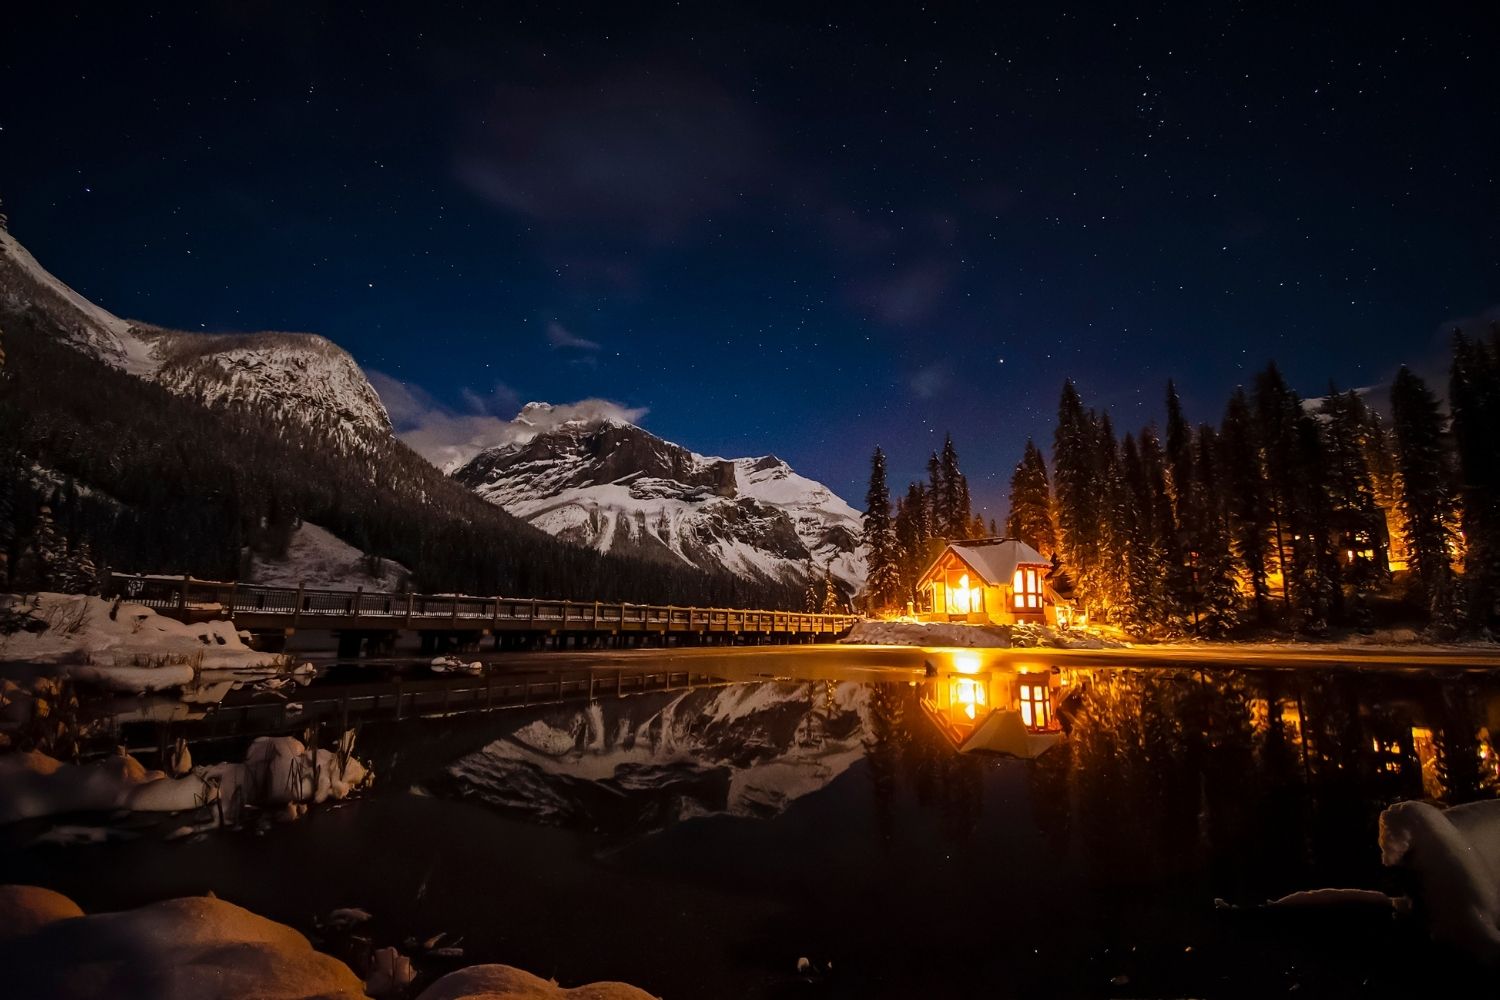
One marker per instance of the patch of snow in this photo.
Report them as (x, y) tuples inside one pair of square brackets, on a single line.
[(319, 558)]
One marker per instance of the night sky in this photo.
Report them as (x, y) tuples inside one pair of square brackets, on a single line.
[(803, 232)]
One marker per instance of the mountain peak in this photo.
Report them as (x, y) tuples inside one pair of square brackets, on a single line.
[(587, 473)]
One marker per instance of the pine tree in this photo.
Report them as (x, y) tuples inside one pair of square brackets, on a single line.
[(1293, 464), (8, 484), (937, 489), (78, 574), (1248, 509), (1030, 517), (1474, 395), (833, 601), (1077, 487), (1427, 506), (1143, 603), (881, 557), (1108, 579), (1216, 595), (912, 534), (953, 494), (1358, 526), (46, 548)]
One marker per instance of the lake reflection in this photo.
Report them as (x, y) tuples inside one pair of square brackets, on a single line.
[(698, 841)]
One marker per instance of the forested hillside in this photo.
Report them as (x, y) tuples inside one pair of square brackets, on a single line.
[(99, 468)]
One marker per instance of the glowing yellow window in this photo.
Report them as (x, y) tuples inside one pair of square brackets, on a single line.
[(1036, 704), (962, 599), (1026, 589), (968, 695)]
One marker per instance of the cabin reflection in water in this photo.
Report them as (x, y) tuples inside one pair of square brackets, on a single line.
[(1002, 709)]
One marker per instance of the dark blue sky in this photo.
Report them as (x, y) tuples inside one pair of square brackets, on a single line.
[(806, 231)]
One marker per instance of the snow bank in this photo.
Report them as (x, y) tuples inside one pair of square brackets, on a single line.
[(196, 947), (501, 982), (909, 633), (203, 948), (278, 771), (914, 633), (128, 647), (1455, 856)]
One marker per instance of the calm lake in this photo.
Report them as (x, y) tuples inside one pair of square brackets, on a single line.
[(990, 826)]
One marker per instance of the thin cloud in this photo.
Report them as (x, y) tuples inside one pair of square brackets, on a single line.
[(561, 338), (928, 382), (649, 154), (449, 438)]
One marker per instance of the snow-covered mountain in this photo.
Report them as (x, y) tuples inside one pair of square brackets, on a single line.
[(602, 482), (298, 376), (628, 766)]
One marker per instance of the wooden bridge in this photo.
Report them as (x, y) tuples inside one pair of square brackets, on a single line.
[(361, 616)]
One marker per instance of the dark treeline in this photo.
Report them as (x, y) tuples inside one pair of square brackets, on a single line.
[(101, 469), (1292, 513)]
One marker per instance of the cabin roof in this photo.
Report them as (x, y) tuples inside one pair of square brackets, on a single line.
[(993, 560), (1002, 731)]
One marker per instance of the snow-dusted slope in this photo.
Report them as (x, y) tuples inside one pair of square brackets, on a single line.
[(317, 558), (96, 331), (631, 765), (298, 376), (294, 375), (605, 483)]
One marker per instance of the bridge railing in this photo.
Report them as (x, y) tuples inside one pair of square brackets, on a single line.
[(184, 595)]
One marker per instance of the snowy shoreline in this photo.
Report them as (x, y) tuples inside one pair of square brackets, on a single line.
[(960, 635)]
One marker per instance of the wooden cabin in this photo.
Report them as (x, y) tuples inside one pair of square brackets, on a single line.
[(990, 581)]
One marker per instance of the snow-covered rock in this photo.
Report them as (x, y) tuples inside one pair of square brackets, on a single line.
[(605, 483), (1455, 856), (130, 647), (297, 376), (502, 982), (277, 771), (318, 558), (196, 947), (203, 948)]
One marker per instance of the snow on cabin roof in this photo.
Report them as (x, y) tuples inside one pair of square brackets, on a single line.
[(993, 559), (1003, 731)]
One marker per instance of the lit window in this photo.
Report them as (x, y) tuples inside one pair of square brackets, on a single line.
[(963, 599), (968, 695), (1036, 704), (1026, 589)]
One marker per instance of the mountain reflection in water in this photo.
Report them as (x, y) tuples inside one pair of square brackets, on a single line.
[(628, 765), (1134, 768), (698, 841)]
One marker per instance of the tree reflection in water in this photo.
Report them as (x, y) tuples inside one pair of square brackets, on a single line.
[(1244, 784)]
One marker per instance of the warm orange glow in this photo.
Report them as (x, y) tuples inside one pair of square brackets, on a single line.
[(963, 599), (1036, 703), (968, 693), (1026, 589), (966, 663)]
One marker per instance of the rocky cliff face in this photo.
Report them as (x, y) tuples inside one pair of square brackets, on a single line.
[(612, 486)]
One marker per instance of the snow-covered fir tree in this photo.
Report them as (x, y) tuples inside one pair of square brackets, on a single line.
[(1474, 396), (1427, 504), (883, 583), (1030, 517)]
